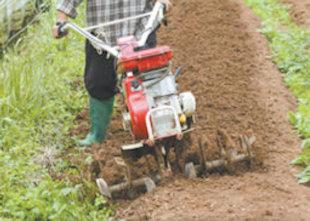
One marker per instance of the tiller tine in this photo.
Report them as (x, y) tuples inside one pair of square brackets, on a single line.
[(103, 187), (202, 155), (128, 151), (229, 155), (190, 171), (246, 144), (163, 165), (109, 190)]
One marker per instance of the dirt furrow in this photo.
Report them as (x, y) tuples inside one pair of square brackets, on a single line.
[(239, 90)]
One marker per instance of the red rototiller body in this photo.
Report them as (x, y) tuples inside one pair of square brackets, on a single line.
[(155, 113)]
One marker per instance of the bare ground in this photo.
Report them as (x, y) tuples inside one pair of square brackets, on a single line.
[(238, 89), (299, 11)]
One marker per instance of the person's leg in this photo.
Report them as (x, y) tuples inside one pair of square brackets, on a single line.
[(100, 76), (100, 114), (100, 81)]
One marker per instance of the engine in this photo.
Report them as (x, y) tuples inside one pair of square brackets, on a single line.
[(155, 109)]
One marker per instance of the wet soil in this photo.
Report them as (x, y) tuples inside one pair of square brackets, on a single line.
[(238, 90)]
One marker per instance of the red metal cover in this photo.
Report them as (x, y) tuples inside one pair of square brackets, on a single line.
[(147, 59), (138, 107)]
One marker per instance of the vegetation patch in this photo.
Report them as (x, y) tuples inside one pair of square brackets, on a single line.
[(15, 15), (290, 52), (40, 95)]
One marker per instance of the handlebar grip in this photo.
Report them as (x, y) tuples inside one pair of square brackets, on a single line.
[(61, 32)]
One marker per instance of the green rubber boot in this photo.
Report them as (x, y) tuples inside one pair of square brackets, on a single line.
[(100, 115)]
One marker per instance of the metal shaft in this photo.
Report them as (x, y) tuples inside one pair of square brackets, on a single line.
[(211, 165), (135, 184)]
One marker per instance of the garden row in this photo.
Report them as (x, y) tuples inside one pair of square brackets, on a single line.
[(289, 45)]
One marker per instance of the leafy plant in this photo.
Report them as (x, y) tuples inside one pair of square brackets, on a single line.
[(40, 95), (289, 44)]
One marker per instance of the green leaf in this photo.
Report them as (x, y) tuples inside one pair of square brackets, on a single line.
[(297, 161), (304, 180), (65, 191)]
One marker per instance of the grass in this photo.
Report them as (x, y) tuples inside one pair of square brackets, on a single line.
[(15, 14), (290, 52), (39, 99)]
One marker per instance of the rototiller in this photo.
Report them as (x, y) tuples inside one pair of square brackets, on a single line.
[(155, 113)]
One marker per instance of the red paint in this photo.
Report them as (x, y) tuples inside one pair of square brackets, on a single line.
[(147, 59), (138, 107), (140, 61)]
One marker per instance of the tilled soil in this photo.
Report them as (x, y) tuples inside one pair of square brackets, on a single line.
[(238, 90), (299, 11)]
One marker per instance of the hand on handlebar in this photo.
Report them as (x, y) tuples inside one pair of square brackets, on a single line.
[(56, 30), (57, 33)]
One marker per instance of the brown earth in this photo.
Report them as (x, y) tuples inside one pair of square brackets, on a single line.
[(300, 11), (238, 89)]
